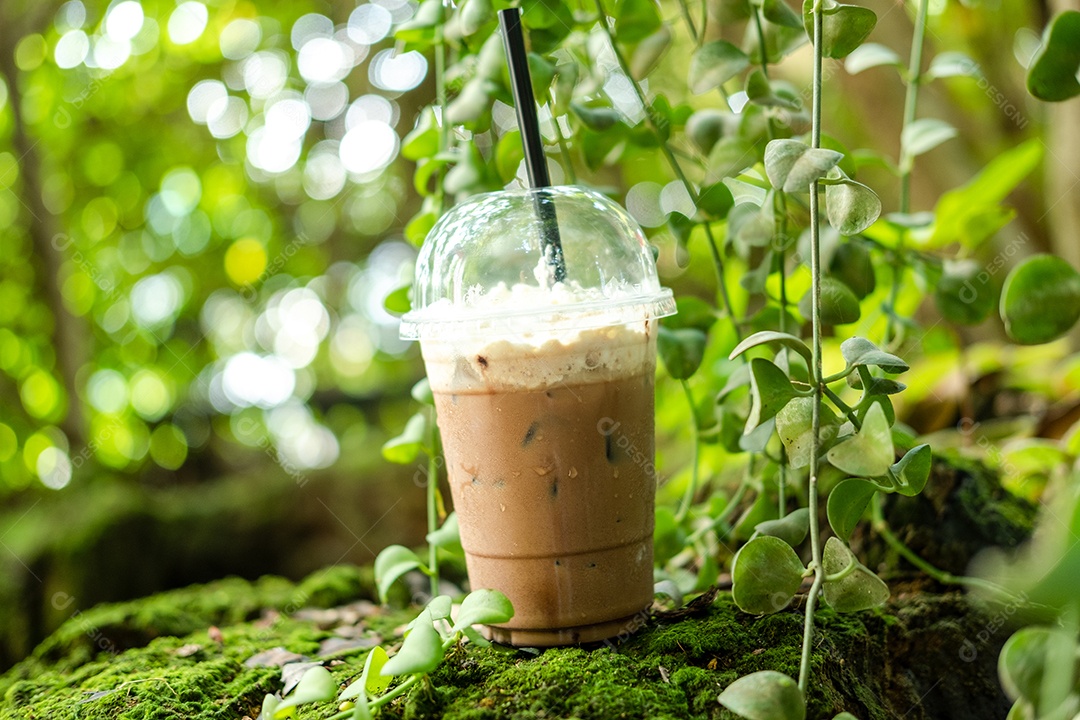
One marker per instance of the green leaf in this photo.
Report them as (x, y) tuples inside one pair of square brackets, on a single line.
[(870, 450), (847, 503), (780, 13), (792, 528), (393, 562), (316, 685), (964, 294), (475, 15), (771, 336), (421, 652), (566, 77), (845, 716), (509, 152), (404, 448), (765, 695), (1040, 301), (423, 141), (472, 103), (541, 73), (448, 536), (844, 27), (859, 590), (681, 350), (730, 156), (483, 607), (713, 64), (853, 266), (647, 54), (705, 128), (839, 305), (869, 56), (635, 20), (1026, 660), (439, 607), (420, 29), (913, 470), (962, 214), (951, 64), (371, 679), (1053, 73), (924, 135), (595, 117), (475, 637), (792, 165), (770, 391), (691, 312), (860, 351), (765, 574), (270, 703), (421, 392), (397, 301), (716, 200), (851, 206), (794, 426)]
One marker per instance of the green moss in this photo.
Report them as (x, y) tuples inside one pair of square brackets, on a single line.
[(868, 663)]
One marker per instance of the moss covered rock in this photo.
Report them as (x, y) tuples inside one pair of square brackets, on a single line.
[(194, 654)]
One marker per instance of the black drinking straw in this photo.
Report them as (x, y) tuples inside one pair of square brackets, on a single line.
[(535, 162)]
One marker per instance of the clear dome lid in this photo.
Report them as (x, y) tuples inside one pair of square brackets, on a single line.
[(495, 265)]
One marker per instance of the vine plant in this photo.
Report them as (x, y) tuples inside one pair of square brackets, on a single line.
[(755, 169)]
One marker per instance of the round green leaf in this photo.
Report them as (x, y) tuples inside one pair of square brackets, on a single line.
[(483, 607), (393, 562), (778, 12), (913, 470), (705, 128), (792, 165), (794, 425), (839, 305), (869, 56), (771, 336), (858, 590), (964, 294), (951, 64), (765, 574), (716, 200), (681, 350), (635, 20), (448, 536), (860, 351), (847, 502), (649, 51), (924, 135), (765, 695), (1053, 73), (713, 64), (404, 448), (770, 391), (475, 15), (371, 679), (851, 206), (1041, 299), (595, 117), (844, 27), (398, 301), (1022, 662), (316, 685), (851, 264), (792, 528), (691, 312), (421, 652), (870, 450)]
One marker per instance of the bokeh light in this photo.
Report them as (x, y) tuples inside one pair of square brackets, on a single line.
[(187, 22)]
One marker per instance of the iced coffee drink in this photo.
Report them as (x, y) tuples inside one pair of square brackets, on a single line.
[(544, 398)]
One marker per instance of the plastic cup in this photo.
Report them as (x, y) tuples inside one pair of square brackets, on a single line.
[(544, 398)]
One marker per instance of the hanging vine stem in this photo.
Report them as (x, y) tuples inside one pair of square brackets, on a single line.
[(676, 168), (691, 489), (911, 101), (440, 97), (877, 519), (815, 371), (433, 502)]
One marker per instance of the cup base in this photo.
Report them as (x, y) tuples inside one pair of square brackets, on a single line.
[(620, 628)]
